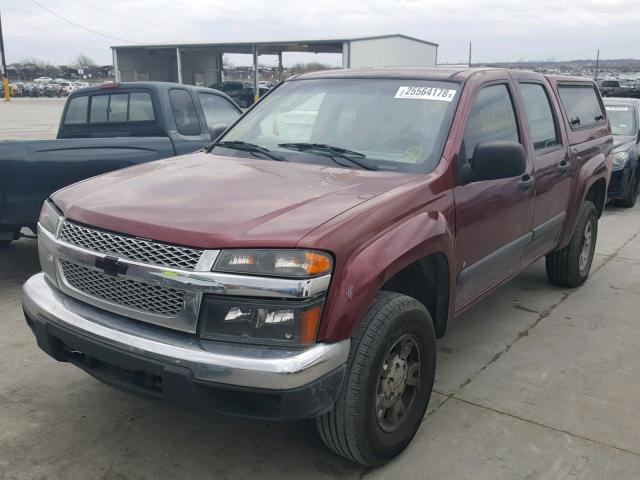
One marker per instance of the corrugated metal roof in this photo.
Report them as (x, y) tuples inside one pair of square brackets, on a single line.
[(272, 43)]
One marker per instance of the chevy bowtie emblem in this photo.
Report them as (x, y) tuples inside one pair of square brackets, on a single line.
[(110, 266)]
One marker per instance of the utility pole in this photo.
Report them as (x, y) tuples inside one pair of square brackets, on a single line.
[(469, 53), (597, 64), (3, 74)]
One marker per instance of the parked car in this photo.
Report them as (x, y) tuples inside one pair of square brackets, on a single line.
[(625, 123), (612, 88), (102, 129), (282, 278), (242, 92)]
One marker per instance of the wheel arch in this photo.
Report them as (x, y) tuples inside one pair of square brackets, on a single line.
[(418, 251)]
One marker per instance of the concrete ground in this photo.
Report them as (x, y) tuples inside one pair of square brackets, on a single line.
[(535, 382), (30, 118)]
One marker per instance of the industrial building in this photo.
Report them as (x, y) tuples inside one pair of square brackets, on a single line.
[(202, 64)]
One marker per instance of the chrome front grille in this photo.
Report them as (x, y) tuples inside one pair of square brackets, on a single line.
[(130, 248), (128, 293)]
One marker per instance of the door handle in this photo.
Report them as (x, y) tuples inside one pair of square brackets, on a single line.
[(564, 166), (526, 182)]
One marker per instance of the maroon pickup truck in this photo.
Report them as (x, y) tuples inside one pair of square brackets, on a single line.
[(303, 266)]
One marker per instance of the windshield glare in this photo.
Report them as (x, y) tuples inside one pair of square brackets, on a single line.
[(622, 119), (398, 124)]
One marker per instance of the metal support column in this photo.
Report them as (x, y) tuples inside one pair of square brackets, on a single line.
[(220, 67), (4, 75), (179, 63), (280, 69), (116, 70), (256, 91)]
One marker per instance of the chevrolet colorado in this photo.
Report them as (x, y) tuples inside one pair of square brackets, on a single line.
[(304, 265)]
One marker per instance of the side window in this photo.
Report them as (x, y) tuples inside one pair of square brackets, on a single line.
[(77, 111), (492, 117), (582, 106), (540, 116), (218, 111), (184, 111), (140, 107)]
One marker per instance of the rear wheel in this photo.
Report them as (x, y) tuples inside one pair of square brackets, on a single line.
[(569, 266), (630, 198), (388, 384)]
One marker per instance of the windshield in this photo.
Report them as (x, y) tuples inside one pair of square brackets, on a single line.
[(387, 124), (622, 119)]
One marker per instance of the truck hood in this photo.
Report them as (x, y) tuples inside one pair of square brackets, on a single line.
[(209, 201)]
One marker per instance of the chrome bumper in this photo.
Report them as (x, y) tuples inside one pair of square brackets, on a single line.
[(263, 367)]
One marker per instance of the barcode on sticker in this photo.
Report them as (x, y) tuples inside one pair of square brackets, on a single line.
[(426, 93)]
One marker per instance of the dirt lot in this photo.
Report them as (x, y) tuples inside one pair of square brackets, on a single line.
[(535, 382)]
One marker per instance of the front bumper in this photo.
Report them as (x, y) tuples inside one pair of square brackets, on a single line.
[(208, 376)]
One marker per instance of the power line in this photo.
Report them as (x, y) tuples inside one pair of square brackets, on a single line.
[(71, 22), (48, 35), (117, 14)]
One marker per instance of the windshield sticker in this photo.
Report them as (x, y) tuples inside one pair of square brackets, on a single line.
[(617, 109), (426, 93)]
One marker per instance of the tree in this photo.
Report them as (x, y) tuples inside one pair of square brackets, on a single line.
[(84, 61)]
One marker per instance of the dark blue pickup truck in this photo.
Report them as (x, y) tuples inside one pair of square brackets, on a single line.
[(102, 129)]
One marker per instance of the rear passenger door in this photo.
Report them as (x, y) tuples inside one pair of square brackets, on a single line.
[(493, 217), (551, 162)]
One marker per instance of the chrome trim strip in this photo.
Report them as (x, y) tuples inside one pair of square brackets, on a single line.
[(202, 282), (233, 364), (207, 260)]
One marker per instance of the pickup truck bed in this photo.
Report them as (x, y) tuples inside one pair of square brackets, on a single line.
[(103, 129)]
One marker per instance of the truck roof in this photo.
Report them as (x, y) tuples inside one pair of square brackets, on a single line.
[(458, 74), (155, 86)]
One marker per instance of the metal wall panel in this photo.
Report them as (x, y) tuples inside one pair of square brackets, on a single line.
[(391, 52)]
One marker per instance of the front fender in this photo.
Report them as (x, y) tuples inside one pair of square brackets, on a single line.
[(376, 261)]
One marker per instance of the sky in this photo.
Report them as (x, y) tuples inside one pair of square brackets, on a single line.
[(501, 30)]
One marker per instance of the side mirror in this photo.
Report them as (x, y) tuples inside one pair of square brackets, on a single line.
[(495, 160), (216, 130)]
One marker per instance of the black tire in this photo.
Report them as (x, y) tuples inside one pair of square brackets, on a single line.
[(630, 198), (352, 429), (564, 266)]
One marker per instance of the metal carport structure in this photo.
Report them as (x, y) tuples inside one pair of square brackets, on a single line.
[(193, 63)]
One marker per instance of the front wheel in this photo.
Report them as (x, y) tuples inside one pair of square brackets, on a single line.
[(388, 384), (569, 266)]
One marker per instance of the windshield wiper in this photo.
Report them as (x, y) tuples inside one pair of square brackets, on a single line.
[(247, 147), (331, 152)]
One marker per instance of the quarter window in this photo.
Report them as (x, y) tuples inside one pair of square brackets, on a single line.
[(542, 125), (492, 117), (582, 106), (184, 112)]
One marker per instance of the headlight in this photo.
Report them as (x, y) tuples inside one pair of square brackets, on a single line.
[(619, 159), (260, 321), (280, 263), (50, 217)]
